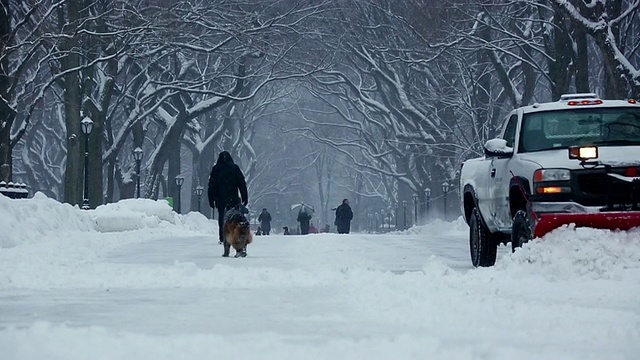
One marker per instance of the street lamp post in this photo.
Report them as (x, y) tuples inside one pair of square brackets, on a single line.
[(87, 126), (375, 219), (199, 191), (383, 216), (427, 196), (396, 217), (404, 207), (177, 205), (137, 156), (445, 190), (415, 209)]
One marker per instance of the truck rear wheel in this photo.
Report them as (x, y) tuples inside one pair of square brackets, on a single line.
[(481, 244), (521, 231)]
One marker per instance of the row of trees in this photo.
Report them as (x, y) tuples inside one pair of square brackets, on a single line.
[(374, 99)]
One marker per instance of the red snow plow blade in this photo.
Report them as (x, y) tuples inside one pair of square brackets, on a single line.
[(615, 220)]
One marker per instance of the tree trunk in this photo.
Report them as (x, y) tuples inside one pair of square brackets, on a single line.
[(615, 84), (482, 97), (173, 171), (581, 60), (169, 145), (74, 167), (559, 67), (7, 115)]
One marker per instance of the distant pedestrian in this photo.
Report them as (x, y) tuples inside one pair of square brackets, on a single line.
[(286, 230), (303, 219), (344, 215), (265, 221)]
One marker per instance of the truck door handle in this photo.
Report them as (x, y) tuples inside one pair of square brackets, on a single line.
[(493, 172)]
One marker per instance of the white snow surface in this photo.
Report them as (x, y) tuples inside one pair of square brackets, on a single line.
[(134, 280)]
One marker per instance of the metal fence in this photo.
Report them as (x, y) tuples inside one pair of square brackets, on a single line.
[(14, 190)]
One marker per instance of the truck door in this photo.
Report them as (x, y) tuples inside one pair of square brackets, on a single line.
[(500, 178)]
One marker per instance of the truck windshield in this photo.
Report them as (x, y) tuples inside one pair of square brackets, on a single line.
[(584, 126)]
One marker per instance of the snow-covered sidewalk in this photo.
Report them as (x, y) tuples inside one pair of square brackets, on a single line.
[(134, 280)]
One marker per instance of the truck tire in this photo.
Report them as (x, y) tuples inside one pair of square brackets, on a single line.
[(521, 231), (481, 244)]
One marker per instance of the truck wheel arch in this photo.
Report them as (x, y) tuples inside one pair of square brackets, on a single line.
[(470, 202), (518, 200)]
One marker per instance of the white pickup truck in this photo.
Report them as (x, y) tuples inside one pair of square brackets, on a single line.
[(576, 161)]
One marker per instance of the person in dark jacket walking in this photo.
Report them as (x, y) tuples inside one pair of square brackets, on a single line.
[(303, 219), (265, 221), (225, 181), (344, 215)]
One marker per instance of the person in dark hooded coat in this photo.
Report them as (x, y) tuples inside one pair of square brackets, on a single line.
[(344, 215), (303, 219), (265, 221), (225, 182)]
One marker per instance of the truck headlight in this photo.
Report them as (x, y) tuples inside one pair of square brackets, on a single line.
[(551, 175), (552, 181)]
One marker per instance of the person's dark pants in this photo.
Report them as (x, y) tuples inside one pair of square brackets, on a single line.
[(227, 246), (221, 224), (304, 227), (344, 227)]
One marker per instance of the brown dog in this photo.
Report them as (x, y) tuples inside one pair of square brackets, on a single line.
[(237, 233)]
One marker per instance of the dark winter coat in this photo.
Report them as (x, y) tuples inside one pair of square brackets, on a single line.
[(304, 218), (265, 221), (344, 215), (225, 181)]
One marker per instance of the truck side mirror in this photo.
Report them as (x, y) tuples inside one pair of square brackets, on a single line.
[(497, 148)]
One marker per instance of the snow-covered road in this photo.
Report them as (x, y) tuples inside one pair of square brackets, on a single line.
[(160, 292), (284, 285)]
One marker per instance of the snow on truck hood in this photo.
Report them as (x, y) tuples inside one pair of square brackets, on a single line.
[(610, 155)]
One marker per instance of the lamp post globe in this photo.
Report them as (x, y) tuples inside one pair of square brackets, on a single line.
[(199, 191), (137, 156), (177, 205), (87, 126)]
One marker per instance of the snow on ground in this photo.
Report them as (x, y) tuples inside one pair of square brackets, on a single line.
[(134, 280)]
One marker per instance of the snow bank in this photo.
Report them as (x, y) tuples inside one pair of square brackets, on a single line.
[(39, 218), (439, 226), (570, 253), (29, 220)]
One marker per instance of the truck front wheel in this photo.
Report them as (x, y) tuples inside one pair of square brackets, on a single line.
[(521, 232), (481, 243)]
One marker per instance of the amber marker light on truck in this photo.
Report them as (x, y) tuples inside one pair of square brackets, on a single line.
[(553, 189), (583, 152)]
